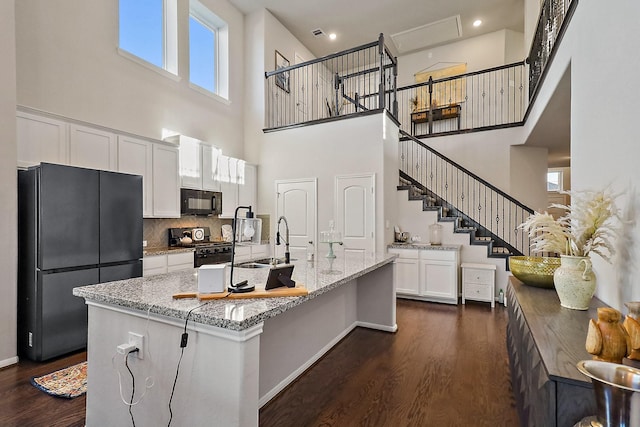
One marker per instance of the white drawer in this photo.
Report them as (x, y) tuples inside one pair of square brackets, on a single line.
[(243, 250), (154, 262), (182, 258), (437, 255), (473, 291), (406, 253), (472, 275)]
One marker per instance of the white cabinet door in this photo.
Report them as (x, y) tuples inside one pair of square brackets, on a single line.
[(407, 276), (180, 261), (154, 264), (92, 148), (210, 157), (190, 163), (166, 182), (439, 275), (135, 156), (248, 192), (40, 139), (229, 199)]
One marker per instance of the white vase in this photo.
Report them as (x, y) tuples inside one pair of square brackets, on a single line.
[(575, 282)]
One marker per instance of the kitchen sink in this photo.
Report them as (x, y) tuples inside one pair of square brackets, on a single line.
[(251, 264)]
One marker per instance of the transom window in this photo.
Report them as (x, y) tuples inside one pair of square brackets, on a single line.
[(148, 31)]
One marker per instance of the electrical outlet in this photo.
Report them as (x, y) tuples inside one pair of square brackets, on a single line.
[(138, 341), (144, 243)]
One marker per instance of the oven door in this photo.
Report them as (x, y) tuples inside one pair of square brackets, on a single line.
[(199, 202), (211, 256)]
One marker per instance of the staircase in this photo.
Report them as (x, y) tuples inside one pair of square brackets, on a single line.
[(489, 216)]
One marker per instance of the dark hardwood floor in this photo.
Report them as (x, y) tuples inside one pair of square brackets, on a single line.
[(446, 366)]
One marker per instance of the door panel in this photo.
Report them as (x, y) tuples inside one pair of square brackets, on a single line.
[(120, 217), (355, 213), (69, 202), (296, 200), (64, 316)]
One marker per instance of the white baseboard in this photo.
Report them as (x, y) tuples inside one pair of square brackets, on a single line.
[(384, 328), (295, 374), (9, 361)]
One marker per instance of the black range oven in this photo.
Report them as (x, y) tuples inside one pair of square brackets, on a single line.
[(206, 250)]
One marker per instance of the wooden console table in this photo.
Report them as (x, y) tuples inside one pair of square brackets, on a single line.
[(440, 113), (545, 342)]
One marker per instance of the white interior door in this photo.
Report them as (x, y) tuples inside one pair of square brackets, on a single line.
[(355, 212), (297, 201)]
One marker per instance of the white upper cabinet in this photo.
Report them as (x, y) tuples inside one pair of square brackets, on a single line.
[(228, 176), (166, 181), (190, 163), (92, 148), (135, 156), (248, 188), (210, 162), (41, 139)]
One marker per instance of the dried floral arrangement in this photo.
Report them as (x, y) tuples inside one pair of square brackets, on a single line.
[(589, 225)]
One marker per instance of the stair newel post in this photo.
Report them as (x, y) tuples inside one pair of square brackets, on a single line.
[(381, 86), (430, 104)]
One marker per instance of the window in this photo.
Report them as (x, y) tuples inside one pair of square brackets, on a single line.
[(554, 180), (148, 31), (208, 50)]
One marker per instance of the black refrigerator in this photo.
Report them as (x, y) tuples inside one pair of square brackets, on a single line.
[(76, 227)]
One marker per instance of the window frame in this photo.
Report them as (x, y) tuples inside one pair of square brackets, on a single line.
[(560, 180)]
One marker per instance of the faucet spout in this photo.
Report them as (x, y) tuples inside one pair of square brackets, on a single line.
[(287, 255)]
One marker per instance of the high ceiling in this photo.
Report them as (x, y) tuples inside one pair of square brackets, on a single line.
[(356, 22)]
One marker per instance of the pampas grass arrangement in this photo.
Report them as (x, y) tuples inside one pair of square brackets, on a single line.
[(589, 225)]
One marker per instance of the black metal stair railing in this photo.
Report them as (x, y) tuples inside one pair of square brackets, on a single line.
[(477, 203), (335, 86), (485, 99)]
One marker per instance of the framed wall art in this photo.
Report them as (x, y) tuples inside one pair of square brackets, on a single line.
[(282, 79)]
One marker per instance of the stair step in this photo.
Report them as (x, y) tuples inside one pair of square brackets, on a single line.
[(500, 250)]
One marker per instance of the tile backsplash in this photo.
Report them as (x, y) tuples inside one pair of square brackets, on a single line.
[(155, 230)]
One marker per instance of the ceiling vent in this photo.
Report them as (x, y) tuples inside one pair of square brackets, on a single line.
[(431, 34), (318, 33)]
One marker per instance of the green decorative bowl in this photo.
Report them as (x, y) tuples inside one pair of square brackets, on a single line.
[(534, 271)]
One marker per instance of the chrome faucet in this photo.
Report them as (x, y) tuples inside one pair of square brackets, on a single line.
[(287, 255)]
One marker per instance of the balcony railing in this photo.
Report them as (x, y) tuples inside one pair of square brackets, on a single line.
[(484, 99), (337, 85), (554, 18)]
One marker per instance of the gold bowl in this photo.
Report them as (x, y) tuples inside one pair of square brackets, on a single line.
[(534, 271)]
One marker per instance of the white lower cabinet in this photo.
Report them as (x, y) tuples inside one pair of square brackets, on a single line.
[(166, 263), (427, 274), (479, 282)]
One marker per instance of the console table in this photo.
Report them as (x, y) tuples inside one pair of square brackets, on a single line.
[(440, 113), (544, 342)]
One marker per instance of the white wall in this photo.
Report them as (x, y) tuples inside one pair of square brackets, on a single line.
[(359, 145), (264, 35), (67, 63), (604, 141), (528, 176), (8, 185), (479, 53)]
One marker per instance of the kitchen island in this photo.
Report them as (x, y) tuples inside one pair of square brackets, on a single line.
[(240, 353)]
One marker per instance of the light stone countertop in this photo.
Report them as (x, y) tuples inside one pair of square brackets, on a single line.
[(153, 294), (165, 250), (424, 246)]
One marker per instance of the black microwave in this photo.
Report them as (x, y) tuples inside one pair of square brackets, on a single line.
[(199, 202)]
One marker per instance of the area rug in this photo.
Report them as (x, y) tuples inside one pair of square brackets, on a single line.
[(68, 382)]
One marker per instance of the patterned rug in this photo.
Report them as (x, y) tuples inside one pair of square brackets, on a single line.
[(68, 382)]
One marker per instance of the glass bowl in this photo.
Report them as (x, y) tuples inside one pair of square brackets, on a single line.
[(534, 271)]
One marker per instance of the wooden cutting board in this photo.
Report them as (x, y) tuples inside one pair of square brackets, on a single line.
[(298, 291)]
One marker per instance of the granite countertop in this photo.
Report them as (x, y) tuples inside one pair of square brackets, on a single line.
[(163, 250), (424, 246), (154, 293)]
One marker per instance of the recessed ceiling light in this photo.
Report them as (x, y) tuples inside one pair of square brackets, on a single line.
[(332, 36), (477, 23)]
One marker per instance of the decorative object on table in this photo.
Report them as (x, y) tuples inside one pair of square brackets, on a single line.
[(227, 233), (400, 236), (617, 392), (435, 234), (534, 271), (68, 382), (332, 237), (243, 286), (632, 326), (589, 226), (607, 340), (282, 79)]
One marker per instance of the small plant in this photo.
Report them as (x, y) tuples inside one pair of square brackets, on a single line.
[(589, 225)]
